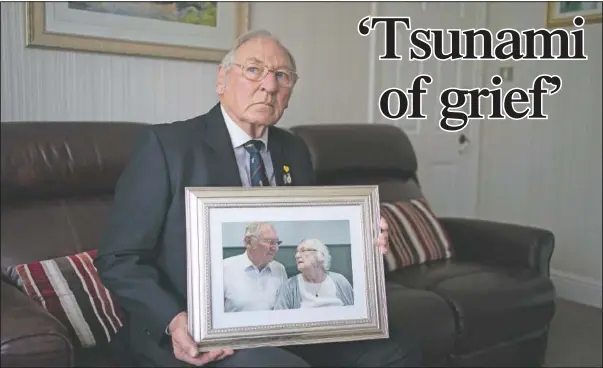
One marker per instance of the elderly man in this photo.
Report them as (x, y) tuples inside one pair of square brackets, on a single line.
[(252, 278), (142, 256)]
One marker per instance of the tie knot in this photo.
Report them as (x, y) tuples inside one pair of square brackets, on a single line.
[(254, 146)]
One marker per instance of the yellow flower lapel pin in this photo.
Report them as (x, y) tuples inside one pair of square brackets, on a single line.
[(286, 175)]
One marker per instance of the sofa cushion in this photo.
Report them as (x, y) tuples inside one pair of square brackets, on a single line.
[(430, 274), (70, 289), (31, 337), (491, 304), (52, 229), (416, 236), (498, 305), (424, 316)]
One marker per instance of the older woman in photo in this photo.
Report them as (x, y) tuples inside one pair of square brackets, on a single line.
[(315, 286)]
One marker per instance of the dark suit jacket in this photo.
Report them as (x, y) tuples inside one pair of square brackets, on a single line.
[(142, 257)]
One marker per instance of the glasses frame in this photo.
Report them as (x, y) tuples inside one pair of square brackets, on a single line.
[(266, 71), (278, 242)]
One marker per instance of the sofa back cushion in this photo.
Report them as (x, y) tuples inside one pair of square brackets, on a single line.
[(363, 154), (57, 184)]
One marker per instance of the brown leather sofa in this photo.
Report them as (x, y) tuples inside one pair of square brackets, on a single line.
[(490, 306)]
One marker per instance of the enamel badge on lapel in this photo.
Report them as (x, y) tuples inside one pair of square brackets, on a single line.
[(286, 175)]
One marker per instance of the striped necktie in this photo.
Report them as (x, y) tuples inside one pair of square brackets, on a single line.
[(256, 164)]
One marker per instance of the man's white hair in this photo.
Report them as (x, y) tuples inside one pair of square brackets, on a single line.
[(322, 252), (229, 58), (255, 228)]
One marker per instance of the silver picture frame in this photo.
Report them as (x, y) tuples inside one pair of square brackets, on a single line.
[(210, 210)]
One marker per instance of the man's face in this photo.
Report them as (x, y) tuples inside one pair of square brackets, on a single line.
[(260, 102), (264, 246)]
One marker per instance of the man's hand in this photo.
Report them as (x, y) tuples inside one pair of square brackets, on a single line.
[(185, 348), (383, 239)]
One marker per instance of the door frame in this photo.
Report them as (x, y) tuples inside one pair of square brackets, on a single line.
[(474, 133)]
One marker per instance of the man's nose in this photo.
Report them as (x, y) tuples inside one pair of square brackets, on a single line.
[(269, 83)]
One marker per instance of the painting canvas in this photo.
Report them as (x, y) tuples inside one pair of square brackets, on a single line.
[(181, 30), (284, 265), (199, 13), (562, 13)]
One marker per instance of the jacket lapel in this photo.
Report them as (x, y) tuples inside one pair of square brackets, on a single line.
[(277, 155), (220, 158)]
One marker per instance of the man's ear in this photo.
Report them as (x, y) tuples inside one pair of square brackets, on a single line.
[(221, 82)]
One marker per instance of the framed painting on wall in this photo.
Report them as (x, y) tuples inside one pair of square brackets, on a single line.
[(323, 276), (562, 13), (202, 31)]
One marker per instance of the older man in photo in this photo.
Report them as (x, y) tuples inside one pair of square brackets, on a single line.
[(252, 278), (142, 255)]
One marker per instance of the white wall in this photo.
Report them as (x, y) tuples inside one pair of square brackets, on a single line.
[(64, 85), (548, 173)]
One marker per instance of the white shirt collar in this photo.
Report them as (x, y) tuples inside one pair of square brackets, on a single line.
[(238, 137), (247, 262)]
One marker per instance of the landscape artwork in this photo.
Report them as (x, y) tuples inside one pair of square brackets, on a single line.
[(186, 30), (576, 6), (202, 13), (562, 13)]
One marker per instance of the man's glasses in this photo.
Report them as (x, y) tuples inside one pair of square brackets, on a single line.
[(269, 241), (255, 71)]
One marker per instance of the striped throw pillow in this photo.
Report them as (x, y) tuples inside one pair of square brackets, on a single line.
[(415, 234), (69, 288)]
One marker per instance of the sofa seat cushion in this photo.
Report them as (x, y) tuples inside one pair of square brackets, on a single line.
[(428, 275), (423, 316), (491, 304)]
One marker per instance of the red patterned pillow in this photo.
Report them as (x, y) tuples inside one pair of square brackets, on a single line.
[(415, 234), (70, 289)]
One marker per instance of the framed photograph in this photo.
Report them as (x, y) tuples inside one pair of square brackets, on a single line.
[(278, 266), (202, 31), (562, 13)]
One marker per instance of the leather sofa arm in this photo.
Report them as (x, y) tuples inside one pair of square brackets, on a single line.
[(501, 244), (31, 337)]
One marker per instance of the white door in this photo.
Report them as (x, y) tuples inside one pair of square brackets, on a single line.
[(448, 161)]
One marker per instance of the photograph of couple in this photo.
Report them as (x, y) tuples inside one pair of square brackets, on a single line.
[(287, 265)]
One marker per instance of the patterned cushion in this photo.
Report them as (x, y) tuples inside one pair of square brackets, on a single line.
[(415, 234), (70, 289)]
